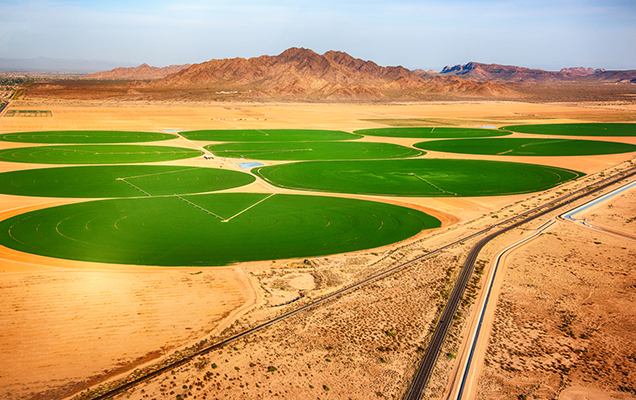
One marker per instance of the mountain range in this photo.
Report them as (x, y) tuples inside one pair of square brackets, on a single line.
[(510, 73), (302, 74), (142, 72), (54, 65)]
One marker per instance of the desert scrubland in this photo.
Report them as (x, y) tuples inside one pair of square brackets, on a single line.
[(561, 328), (564, 324)]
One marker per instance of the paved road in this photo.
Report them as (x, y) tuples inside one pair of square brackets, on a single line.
[(433, 350), (3, 106), (466, 381)]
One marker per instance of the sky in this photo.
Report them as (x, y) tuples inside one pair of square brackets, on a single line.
[(415, 34)]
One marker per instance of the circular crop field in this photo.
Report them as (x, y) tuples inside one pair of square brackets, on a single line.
[(96, 154), (268, 135), (432, 132), (527, 147), (85, 137), (424, 177), (119, 181), (313, 150), (210, 229), (592, 129)]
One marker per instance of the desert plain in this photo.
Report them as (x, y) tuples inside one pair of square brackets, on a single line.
[(563, 326)]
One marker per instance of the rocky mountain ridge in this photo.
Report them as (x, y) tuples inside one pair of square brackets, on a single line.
[(510, 73), (302, 73), (141, 72)]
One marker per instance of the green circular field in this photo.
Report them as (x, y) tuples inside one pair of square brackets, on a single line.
[(423, 177), (431, 132), (268, 135), (526, 147), (85, 137), (592, 129), (119, 181), (313, 150), (210, 229), (96, 154)]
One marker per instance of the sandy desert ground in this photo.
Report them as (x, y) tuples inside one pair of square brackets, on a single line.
[(565, 324), (69, 325), (366, 344)]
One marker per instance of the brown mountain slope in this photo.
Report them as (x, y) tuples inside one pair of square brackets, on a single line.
[(511, 73), (142, 72), (424, 74), (612, 76), (334, 67), (303, 74)]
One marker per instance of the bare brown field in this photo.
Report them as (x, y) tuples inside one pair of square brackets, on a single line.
[(68, 325)]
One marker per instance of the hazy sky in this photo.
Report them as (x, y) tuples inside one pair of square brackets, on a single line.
[(415, 34)]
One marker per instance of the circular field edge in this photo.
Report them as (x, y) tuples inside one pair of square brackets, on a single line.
[(587, 129), (430, 132), (514, 146), (347, 176), (74, 137), (120, 181), (299, 151), (180, 231), (268, 135), (90, 154)]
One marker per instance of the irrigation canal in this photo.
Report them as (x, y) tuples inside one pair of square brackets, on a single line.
[(433, 350)]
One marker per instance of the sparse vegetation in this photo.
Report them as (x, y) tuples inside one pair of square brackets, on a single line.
[(380, 326)]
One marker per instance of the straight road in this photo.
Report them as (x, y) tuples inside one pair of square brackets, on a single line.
[(465, 387), (433, 350), (466, 382)]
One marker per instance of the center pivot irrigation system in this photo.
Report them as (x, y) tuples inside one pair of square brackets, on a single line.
[(427, 365)]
